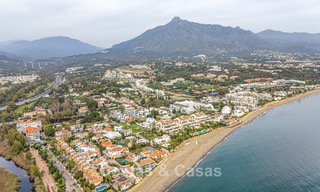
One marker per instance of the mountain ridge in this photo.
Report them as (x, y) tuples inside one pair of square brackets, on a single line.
[(182, 36), (58, 46)]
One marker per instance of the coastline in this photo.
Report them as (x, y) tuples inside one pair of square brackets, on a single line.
[(190, 155)]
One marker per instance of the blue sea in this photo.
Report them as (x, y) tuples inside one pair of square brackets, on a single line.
[(279, 151)]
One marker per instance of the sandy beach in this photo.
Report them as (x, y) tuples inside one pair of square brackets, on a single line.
[(186, 156)]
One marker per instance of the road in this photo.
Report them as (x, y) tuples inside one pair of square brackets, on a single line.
[(70, 181), (55, 85), (46, 176), (8, 123)]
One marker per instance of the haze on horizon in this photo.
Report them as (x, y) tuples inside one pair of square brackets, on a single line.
[(105, 23)]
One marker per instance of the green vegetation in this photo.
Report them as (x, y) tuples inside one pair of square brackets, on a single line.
[(14, 147), (24, 108), (135, 128), (9, 182)]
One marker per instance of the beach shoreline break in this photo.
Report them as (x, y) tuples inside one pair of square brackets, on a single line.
[(186, 157)]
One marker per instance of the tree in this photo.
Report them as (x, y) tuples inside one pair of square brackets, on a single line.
[(122, 108), (109, 178), (55, 105), (34, 171), (92, 104), (16, 147), (11, 105), (49, 131), (154, 113), (78, 174), (11, 136)]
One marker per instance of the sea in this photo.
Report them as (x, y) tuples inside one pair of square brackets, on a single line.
[(278, 151)]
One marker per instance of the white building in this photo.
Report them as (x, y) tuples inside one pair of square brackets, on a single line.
[(113, 135), (149, 123), (118, 128), (32, 134), (226, 110), (191, 106), (21, 126), (76, 128), (238, 113), (163, 140)]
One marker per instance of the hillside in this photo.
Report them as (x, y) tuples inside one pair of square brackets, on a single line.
[(292, 42), (49, 47), (181, 36)]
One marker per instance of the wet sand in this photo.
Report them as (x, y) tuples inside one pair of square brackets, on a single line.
[(186, 156)]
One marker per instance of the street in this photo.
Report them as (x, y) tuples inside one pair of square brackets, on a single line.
[(55, 85), (70, 181)]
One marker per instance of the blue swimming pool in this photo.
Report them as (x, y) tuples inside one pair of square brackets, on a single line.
[(102, 188), (147, 170), (200, 132)]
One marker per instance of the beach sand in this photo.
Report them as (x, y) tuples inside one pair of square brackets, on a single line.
[(187, 156)]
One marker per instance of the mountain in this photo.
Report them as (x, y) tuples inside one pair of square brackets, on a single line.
[(8, 62), (49, 47), (14, 56), (184, 37), (292, 42)]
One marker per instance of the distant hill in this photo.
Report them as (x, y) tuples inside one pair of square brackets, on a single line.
[(292, 42), (181, 36), (177, 38), (49, 47), (7, 62)]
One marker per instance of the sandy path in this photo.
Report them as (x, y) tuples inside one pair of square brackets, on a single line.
[(47, 178), (186, 156)]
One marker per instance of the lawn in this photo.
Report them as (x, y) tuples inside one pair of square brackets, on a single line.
[(208, 87), (30, 94), (19, 110), (135, 128)]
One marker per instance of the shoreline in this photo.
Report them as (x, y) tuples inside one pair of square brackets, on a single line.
[(189, 156)]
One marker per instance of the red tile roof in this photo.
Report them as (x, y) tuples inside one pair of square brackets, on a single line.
[(32, 130)]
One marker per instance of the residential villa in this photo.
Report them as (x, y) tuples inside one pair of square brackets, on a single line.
[(21, 126), (89, 173), (34, 114), (152, 153), (32, 134), (122, 181), (163, 140), (146, 164), (182, 122), (64, 134), (83, 110)]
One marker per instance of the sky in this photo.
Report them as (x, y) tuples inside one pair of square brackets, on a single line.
[(104, 23)]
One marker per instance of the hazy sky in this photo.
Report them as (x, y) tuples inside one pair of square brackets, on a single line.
[(105, 23)]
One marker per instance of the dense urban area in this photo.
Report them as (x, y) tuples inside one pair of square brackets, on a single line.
[(105, 126)]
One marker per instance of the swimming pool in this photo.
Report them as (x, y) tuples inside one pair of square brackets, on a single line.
[(200, 132), (147, 170), (102, 187)]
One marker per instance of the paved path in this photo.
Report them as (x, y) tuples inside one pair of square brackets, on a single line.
[(46, 177)]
